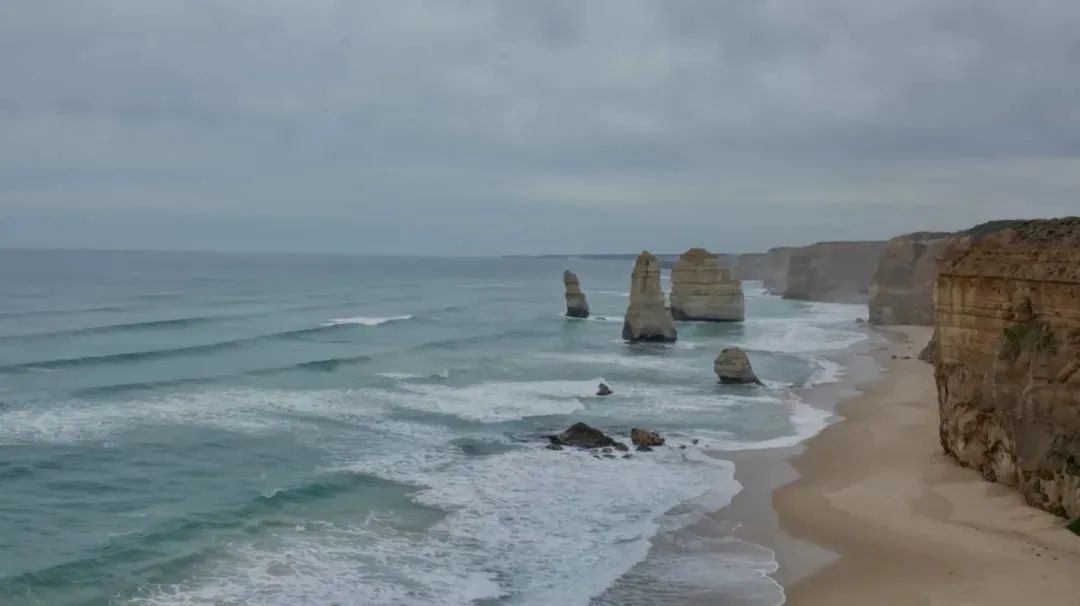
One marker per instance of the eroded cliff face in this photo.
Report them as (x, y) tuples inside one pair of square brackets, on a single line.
[(748, 266), (832, 271), (704, 289), (577, 306), (1007, 359), (647, 316), (902, 287), (776, 269)]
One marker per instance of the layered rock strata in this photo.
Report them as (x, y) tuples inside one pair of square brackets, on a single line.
[(832, 271), (576, 304), (647, 316), (733, 366), (703, 289), (1007, 360), (902, 287)]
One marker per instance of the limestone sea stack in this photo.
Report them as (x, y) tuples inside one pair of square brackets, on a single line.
[(733, 366), (703, 289), (576, 305), (647, 316), (832, 271), (1007, 360)]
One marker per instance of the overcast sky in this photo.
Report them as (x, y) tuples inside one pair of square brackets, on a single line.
[(490, 127)]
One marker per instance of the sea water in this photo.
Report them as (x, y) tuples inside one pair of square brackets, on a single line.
[(182, 428)]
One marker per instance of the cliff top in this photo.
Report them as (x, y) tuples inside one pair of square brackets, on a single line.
[(1008, 253)]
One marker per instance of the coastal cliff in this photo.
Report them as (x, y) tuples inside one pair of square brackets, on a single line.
[(832, 271), (902, 287), (1007, 359), (776, 269), (748, 266), (704, 289)]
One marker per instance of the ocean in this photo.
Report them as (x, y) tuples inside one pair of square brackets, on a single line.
[(198, 428)]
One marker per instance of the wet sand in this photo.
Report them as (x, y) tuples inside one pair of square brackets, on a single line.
[(877, 514)]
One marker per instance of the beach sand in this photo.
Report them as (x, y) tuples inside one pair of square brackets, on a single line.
[(879, 515)]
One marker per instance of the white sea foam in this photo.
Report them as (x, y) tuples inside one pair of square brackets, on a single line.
[(630, 361), (827, 371), (829, 327), (401, 375), (497, 401), (530, 525), (807, 421), (242, 410), (367, 321)]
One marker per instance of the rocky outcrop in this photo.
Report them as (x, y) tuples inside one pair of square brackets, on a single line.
[(1007, 359), (582, 435), (647, 316), (644, 437), (776, 270), (902, 287), (703, 289), (576, 305), (832, 271), (733, 366), (928, 354), (603, 390)]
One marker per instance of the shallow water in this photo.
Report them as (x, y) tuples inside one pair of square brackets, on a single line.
[(234, 429)]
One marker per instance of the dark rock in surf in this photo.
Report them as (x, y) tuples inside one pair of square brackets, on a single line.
[(583, 436), (644, 437), (603, 390)]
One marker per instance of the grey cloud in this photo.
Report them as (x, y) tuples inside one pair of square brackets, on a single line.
[(501, 126)]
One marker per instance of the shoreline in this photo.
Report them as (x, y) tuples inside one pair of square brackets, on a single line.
[(870, 510)]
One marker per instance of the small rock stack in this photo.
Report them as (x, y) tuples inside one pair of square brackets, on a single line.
[(576, 305)]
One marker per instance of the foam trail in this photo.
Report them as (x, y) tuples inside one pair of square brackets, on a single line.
[(367, 321)]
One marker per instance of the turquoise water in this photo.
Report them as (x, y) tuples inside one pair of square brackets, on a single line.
[(181, 428)]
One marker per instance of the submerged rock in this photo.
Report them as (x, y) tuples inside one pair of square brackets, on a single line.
[(644, 437), (576, 305), (647, 316), (733, 366), (603, 390), (582, 435), (704, 289)]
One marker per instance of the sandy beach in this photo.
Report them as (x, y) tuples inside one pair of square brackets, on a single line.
[(906, 524)]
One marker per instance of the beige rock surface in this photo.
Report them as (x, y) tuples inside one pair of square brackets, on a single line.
[(902, 288), (833, 271), (776, 269), (576, 304), (1007, 362), (733, 366), (647, 316), (704, 289)]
